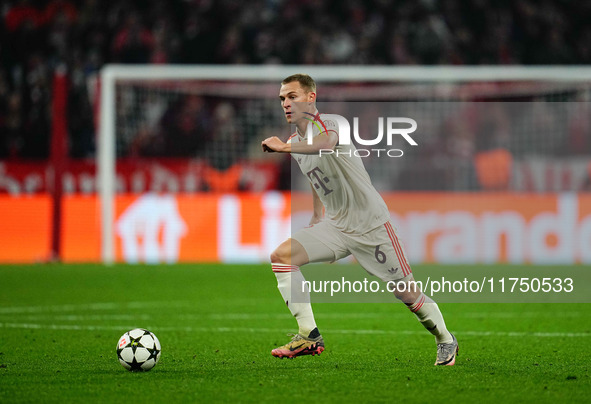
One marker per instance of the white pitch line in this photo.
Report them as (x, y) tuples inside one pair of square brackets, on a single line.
[(401, 314), (119, 307), (52, 316), (266, 316), (63, 307), (77, 317), (63, 327), (274, 330), (90, 306)]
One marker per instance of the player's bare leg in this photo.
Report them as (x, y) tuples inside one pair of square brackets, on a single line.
[(428, 313), (286, 261)]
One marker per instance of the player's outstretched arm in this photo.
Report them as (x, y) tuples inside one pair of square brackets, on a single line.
[(323, 141)]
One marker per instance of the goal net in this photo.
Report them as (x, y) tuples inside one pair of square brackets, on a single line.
[(199, 128)]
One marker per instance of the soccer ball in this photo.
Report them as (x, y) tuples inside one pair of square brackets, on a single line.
[(138, 350)]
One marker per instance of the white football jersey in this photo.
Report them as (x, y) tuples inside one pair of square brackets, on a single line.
[(342, 184)]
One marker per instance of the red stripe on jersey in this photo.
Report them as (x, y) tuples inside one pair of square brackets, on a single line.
[(317, 118), (404, 262), (289, 138), (395, 249), (398, 249)]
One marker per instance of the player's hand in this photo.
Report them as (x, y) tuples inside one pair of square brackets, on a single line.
[(315, 220), (272, 144)]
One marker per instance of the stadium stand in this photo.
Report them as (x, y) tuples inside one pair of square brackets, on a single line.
[(38, 37)]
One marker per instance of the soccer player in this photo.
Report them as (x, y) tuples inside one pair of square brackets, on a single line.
[(350, 217)]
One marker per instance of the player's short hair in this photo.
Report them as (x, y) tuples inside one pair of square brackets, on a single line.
[(305, 81)]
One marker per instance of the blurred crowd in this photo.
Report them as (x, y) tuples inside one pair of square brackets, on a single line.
[(37, 37)]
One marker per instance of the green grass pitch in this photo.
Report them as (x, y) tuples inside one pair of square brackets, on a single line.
[(59, 325)]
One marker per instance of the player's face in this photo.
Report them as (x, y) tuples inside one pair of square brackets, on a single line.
[(291, 93)]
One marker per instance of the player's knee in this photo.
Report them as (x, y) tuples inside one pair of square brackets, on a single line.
[(407, 290), (405, 297), (282, 254)]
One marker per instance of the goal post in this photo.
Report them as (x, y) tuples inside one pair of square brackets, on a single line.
[(238, 81)]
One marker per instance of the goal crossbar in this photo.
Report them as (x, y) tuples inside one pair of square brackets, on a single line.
[(110, 74)]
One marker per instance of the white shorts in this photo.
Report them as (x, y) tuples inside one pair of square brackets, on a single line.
[(379, 251)]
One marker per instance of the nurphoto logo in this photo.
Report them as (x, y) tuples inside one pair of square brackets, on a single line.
[(341, 125)]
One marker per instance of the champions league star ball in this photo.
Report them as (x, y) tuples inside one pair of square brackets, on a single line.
[(138, 350)]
